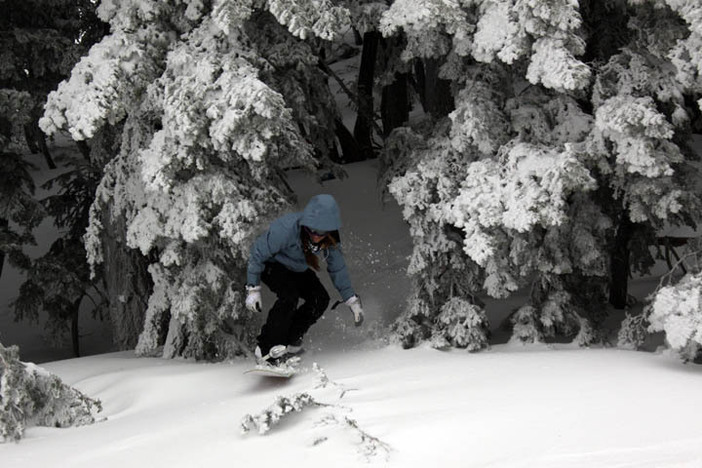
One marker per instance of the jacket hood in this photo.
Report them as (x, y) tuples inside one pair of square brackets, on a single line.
[(322, 213)]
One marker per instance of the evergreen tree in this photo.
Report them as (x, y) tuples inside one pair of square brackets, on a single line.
[(677, 311), (41, 40), (29, 395), (58, 281), (212, 101), (551, 172), (20, 212)]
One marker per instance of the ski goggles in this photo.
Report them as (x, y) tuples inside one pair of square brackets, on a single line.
[(316, 232)]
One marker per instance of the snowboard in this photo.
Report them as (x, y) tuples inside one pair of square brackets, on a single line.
[(284, 370)]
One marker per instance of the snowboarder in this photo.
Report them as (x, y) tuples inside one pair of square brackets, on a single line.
[(285, 258)]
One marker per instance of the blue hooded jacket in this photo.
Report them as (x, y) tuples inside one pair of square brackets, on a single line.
[(281, 243)]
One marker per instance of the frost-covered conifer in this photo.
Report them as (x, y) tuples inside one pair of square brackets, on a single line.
[(214, 101), (677, 310), (567, 149), (525, 326), (281, 407), (640, 143), (461, 325), (545, 33), (40, 40), (29, 395), (438, 266), (20, 212), (633, 332)]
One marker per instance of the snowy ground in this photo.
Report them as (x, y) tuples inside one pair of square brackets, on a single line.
[(511, 406), (508, 407)]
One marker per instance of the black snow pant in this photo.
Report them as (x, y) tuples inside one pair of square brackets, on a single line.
[(287, 322)]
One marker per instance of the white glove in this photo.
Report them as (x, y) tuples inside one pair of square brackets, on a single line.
[(253, 298), (354, 303)]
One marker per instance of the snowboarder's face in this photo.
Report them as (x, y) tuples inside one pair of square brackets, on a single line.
[(316, 236)]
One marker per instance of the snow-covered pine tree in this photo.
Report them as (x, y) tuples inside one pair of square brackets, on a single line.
[(41, 40), (460, 324), (675, 308), (20, 212), (29, 395), (281, 407), (127, 277), (208, 121), (677, 311), (58, 281), (640, 140), (552, 172)]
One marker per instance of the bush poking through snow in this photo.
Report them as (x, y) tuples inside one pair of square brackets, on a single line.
[(587, 334), (525, 326), (677, 310), (334, 416), (370, 447), (632, 332), (323, 381), (414, 326), (556, 316), (462, 325), (29, 395), (272, 415)]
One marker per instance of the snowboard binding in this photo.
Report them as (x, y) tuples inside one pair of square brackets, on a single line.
[(279, 362)]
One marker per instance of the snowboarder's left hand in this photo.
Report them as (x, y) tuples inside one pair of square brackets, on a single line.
[(253, 298), (354, 303)]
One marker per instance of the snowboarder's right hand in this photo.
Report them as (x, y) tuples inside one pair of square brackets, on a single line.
[(354, 303), (253, 298)]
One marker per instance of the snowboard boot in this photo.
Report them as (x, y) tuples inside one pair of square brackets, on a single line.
[(295, 348), (275, 357)]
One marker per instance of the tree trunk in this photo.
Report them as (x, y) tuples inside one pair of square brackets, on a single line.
[(395, 100), (619, 269), (75, 336), (605, 24), (357, 38), (438, 100), (36, 140), (45, 150), (29, 138), (128, 284), (350, 152), (84, 149), (363, 130), (395, 106), (3, 227), (420, 83)]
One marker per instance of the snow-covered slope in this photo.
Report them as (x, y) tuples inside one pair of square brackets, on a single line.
[(508, 407), (511, 406)]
